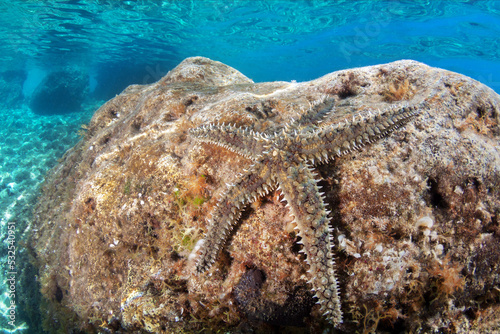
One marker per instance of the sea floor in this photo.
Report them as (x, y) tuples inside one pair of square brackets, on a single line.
[(30, 145)]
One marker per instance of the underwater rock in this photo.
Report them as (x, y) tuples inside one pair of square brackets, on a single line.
[(415, 216), (60, 92), (260, 310)]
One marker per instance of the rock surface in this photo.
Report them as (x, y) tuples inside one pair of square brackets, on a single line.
[(415, 216)]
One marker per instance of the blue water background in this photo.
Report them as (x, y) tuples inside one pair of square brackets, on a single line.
[(117, 43)]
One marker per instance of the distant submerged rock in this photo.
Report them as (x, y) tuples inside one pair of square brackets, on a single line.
[(415, 216), (60, 92)]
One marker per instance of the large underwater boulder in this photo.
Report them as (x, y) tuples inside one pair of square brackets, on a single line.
[(60, 92), (415, 216)]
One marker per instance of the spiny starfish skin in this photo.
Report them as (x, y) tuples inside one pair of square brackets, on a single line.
[(283, 160)]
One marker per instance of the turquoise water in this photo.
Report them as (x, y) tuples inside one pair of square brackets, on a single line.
[(108, 45)]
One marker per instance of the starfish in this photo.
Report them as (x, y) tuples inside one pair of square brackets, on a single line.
[(283, 160)]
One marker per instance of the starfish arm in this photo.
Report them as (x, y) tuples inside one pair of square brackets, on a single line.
[(342, 138), (254, 183), (242, 141), (307, 208), (319, 111)]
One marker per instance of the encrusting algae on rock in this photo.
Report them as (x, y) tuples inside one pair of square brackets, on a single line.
[(144, 227)]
